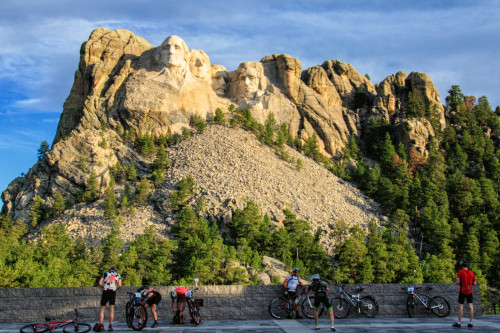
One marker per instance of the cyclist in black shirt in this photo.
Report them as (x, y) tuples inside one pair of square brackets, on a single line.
[(320, 296), (152, 298)]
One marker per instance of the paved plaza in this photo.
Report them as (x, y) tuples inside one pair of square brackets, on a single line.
[(482, 324)]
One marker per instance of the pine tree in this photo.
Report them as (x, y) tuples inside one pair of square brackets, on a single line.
[(143, 192), (59, 204), (269, 129), (109, 203), (91, 191), (44, 148), (36, 211)]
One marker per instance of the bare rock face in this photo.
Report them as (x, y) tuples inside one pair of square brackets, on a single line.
[(101, 57), (415, 133)]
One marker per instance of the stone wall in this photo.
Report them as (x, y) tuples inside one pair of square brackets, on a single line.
[(219, 302)]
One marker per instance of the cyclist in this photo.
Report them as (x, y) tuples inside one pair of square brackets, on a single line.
[(179, 295), (320, 296), (110, 282), (152, 298), (465, 279), (290, 285)]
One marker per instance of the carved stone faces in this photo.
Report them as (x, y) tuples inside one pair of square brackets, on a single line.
[(219, 80), (174, 52), (199, 65), (249, 74)]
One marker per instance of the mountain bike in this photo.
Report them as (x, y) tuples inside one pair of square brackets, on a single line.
[(136, 314), (437, 304), (71, 325), (367, 305), (194, 311), (281, 307)]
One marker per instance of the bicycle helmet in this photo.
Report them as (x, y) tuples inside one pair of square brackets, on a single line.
[(295, 270), (464, 263), (173, 294), (315, 277)]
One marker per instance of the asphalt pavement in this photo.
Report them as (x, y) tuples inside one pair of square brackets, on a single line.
[(482, 324)]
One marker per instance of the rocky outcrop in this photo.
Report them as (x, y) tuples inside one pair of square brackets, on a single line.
[(124, 83)]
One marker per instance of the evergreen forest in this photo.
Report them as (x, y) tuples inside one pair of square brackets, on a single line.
[(441, 208)]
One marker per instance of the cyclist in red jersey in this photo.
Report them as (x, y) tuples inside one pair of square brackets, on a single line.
[(110, 282), (179, 295), (465, 279)]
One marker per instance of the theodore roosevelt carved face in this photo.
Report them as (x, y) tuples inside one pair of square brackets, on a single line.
[(219, 80)]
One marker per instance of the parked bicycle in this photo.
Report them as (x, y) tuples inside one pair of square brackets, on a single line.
[(135, 312), (281, 307), (367, 305), (71, 325), (437, 304), (194, 311)]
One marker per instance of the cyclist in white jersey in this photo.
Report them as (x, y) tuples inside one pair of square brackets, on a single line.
[(290, 284)]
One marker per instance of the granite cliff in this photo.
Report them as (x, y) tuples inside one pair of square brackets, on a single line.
[(124, 83)]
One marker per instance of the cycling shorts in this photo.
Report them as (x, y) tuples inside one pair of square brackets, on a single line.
[(321, 298), (156, 299), (108, 296), (462, 297)]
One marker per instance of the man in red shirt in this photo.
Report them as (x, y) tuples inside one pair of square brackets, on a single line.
[(465, 279)]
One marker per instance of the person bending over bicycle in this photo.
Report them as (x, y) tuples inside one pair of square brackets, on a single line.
[(290, 285), (179, 295), (152, 298), (320, 296)]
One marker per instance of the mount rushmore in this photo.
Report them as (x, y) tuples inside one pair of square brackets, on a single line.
[(124, 82)]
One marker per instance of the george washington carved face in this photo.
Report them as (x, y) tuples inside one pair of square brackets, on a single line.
[(174, 52)]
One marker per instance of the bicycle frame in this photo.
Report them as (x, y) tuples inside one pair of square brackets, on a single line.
[(353, 299), (424, 299)]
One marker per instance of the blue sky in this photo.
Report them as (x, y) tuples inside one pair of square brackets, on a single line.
[(455, 42)]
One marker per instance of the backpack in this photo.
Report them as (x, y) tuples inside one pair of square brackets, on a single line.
[(319, 288), (97, 327)]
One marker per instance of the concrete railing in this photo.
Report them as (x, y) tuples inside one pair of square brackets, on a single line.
[(219, 302)]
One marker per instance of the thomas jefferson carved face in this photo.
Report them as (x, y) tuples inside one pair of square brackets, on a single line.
[(199, 64), (174, 52)]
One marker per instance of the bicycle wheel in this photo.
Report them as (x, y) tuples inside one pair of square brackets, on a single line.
[(439, 306), (308, 308), (129, 313), (30, 328), (368, 306), (279, 308), (140, 317), (73, 327), (410, 306), (340, 307), (194, 312)]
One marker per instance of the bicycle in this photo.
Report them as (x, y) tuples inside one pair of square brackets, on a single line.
[(71, 325), (136, 314), (194, 311), (281, 307), (367, 305), (437, 304)]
